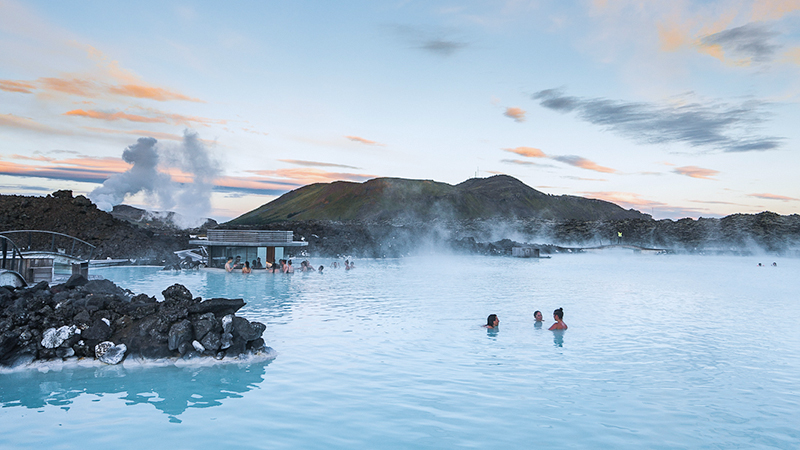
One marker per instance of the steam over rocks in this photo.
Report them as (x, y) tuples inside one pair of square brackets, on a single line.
[(97, 319)]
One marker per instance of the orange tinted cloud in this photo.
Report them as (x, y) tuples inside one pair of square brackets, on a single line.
[(626, 199), (153, 93), (74, 86), (775, 197), (160, 117), (529, 152), (92, 170), (774, 9), (16, 86), (114, 116), (584, 163), (793, 55), (518, 114), (249, 130), (87, 86), (26, 124), (315, 163), (362, 140), (696, 172)]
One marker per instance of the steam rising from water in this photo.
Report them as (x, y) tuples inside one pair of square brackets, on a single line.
[(191, 200)]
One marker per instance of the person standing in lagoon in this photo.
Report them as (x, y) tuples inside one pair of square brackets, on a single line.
[(246, 268), (229, 264), (288, 268), (537, 315), (492, 322), (558, 315)]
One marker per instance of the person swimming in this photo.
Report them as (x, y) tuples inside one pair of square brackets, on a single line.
[(492, 321), (558, 315)]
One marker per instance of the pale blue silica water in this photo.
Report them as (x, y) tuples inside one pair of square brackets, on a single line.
[(661, 352)]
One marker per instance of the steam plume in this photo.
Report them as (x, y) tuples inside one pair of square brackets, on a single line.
[(191, 201)]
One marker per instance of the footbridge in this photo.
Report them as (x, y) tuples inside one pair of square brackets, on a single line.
[(30, 256)]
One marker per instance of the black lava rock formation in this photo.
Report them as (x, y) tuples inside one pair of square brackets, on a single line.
[(97, 319)]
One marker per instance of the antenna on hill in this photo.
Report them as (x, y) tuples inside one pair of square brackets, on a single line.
[(477, 169)]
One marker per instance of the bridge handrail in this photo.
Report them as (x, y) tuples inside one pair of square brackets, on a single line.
[(16, 255), (54, 233)]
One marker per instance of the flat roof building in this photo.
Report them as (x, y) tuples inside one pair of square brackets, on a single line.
[(248, 245)]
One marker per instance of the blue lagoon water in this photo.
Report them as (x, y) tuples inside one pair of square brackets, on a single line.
[(661, 352)]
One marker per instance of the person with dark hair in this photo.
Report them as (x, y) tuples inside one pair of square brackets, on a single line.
[(246, 268), (320, 269), (537, 316), (492, 321), (558, 315), (288, 268), (229, 264)]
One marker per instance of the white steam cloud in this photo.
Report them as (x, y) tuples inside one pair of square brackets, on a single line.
[(190, 201)]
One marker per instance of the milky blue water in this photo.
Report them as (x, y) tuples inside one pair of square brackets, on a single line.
[(662, 352)]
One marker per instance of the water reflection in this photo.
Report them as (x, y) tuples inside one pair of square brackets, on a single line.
[(170, 389)]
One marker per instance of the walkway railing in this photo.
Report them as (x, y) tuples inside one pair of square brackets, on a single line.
[(11, 256), (29, 241)]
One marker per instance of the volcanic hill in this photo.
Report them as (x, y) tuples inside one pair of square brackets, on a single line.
[(398, 199)]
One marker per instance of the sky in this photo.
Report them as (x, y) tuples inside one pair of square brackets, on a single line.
[(212, 109)]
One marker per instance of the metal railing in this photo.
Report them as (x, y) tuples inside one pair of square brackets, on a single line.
[(15, 261), (48, 242)]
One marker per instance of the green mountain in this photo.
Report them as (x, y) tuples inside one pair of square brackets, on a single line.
[(500, 196)]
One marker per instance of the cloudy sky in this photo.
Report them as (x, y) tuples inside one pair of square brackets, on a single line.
[(675, 108)]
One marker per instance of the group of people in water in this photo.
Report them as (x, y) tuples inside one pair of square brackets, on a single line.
[(492, 322), (281, 266)]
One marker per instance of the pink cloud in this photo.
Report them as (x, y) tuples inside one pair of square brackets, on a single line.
[(529, 152), (518, 114), (696, 172), (583, 163), (310, 176), (362, 140), (775, 197), (16, 86), (154, 117)]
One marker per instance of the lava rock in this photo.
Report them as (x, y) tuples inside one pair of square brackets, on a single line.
[(218, 306), (211, 341), (225, 341), (203, 325), (99, 330), (53, 337), (109, 353), (180, 333), (177, 293), (227, 323)]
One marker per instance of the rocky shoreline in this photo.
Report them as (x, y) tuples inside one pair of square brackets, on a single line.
[(97, 319)]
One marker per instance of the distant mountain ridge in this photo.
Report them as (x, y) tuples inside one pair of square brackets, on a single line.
[(380, 199)]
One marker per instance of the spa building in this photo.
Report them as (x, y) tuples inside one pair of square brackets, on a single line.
[(269, 245)]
